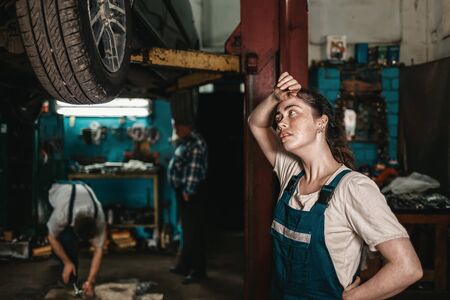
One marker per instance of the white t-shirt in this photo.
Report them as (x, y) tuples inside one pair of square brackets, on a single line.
[(357, 213), (59, 198)]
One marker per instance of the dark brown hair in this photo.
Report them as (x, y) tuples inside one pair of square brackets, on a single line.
[(335, 135), (85, 227)]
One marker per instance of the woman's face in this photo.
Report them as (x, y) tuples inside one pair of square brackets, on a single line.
[(296, 125)]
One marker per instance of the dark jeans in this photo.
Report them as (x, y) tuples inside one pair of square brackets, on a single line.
[(193, 216), (69, 242)]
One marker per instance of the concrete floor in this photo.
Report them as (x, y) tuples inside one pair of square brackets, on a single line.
[(27, 280)]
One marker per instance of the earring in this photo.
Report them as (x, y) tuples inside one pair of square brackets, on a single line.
[(321, 128)]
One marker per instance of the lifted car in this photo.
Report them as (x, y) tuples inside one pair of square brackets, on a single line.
[(79, 50)]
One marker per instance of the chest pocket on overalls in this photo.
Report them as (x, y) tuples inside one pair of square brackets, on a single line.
[(291, 253)]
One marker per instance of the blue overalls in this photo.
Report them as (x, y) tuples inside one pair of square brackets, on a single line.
[(303, 266)]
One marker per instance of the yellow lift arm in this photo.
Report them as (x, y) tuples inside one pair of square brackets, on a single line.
[(209, 66)]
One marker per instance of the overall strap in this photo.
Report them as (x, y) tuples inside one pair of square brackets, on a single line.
[(93, 201), (292, 185), (327, 190), (71, 203)]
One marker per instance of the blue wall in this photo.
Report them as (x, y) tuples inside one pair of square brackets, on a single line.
[(327, 81), (390, 84), (130, 192), (162, 116), (112, 147)]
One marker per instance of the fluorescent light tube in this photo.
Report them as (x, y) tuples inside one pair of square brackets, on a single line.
[(92, 111)]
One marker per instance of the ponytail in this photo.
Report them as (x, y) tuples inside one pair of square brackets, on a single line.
[(337, 142), (335, 134)]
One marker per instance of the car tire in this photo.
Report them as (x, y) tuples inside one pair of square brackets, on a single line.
[(60, 41)]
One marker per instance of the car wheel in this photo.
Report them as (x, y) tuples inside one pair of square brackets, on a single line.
[(79, 49)]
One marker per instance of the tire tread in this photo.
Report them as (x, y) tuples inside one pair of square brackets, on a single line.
[(52, 37)]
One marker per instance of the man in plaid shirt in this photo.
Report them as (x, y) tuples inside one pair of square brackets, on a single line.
[(187, 174)]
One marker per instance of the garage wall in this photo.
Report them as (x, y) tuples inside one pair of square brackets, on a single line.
[(111, 148), (439, 28), (421, 27)]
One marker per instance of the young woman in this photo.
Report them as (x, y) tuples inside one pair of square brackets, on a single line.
[(326, 212)]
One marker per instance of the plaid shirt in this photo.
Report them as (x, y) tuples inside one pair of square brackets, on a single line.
[(189, 164)]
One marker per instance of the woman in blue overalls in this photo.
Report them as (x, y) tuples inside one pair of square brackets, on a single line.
[(308, 260)]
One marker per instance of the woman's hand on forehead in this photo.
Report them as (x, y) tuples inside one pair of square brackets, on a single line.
[(281, 95), (287, 86)]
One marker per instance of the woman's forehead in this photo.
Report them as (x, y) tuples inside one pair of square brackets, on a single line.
[(294, 100)]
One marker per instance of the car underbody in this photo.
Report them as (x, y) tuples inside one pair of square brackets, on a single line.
[(53, 54)]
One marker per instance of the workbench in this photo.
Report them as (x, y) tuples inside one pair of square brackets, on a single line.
[(90, 177), (441, 223)]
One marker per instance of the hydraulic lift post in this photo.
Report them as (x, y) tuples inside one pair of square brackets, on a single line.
[(271, 38)]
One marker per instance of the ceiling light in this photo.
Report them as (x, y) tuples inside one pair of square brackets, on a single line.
[(118, 107), (103, 111)]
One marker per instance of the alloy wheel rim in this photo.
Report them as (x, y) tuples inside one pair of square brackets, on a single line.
[(108, 27)]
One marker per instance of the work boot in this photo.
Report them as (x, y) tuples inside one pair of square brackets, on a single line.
[(193, 277)]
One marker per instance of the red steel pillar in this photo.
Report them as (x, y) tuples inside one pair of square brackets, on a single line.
[(272, 37), (294, 39)]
